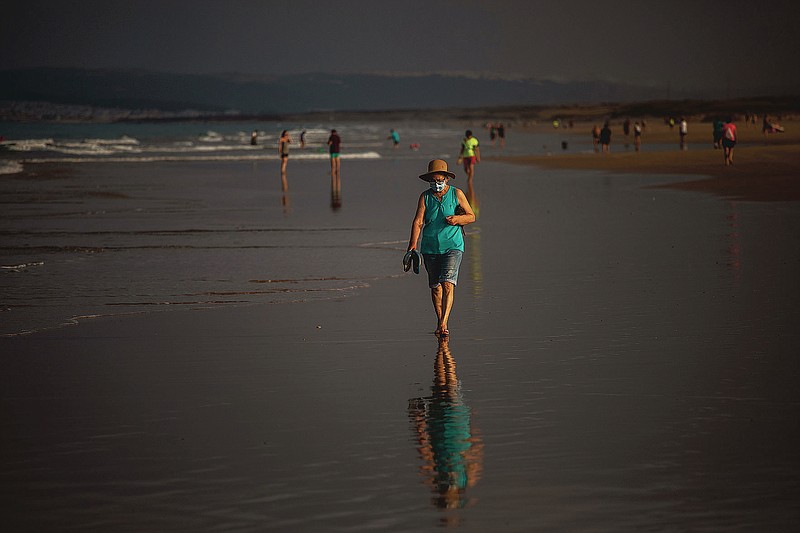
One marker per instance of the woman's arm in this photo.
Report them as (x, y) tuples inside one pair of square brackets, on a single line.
[(469, 215), (416, 225)]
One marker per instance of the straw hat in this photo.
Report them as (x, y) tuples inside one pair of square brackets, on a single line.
[(437, 166)]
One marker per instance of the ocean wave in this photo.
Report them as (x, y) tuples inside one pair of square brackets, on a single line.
[(210, 146), (194, 158), (123, 144), (27, 145), (10, 167), (21, 267)]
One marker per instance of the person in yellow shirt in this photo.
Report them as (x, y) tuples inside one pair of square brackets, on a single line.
[(469, 153)]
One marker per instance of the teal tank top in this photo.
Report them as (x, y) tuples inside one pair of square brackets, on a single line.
[(438, 236)]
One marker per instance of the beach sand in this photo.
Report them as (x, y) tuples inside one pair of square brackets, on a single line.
[(765, 168), (622, 358)]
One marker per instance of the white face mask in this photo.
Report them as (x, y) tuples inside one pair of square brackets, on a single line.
[(438, 186)]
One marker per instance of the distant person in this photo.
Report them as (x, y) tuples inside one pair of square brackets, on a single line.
[(637, 136), (596, 138), (626, 127), (283, 149), (470, 153), (492, 132), (772, 126), (334, 145), (442, 242), (395, 137), (729, 137), (683, 130), (501, 134), (254, 138), (605, 137), (303, 139), (717, 133)]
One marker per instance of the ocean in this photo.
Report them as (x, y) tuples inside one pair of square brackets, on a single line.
[(32, 143)]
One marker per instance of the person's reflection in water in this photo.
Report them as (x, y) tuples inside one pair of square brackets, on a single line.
[(450, 446), (474, 237), (285, 191), (472, 196), (336, 191)]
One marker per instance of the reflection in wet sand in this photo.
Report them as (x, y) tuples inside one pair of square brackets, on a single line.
[(474, 237), (734, 247), (336, 191), (285, 190), (448, 444), (472, 197)]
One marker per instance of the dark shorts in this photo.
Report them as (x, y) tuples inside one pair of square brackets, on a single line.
[(284, 156), (443, 267), (727, 143)]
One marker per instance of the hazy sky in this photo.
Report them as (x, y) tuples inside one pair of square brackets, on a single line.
[(709, 46)]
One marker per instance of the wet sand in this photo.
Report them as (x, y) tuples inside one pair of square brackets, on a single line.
[(622, 358)]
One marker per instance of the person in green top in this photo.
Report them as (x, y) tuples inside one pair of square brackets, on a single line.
[(717, 132), (442, 210), (469, 153)]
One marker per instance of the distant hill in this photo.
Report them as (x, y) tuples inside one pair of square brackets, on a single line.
[(133, 89)]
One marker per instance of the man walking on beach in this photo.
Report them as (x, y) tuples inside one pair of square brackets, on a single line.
[(469, 153), (605, 137), (442, 243), (334, 144), (683, 131), (728, 141)]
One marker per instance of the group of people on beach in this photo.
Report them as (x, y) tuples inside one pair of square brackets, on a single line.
[(601, 137), (725, 135), (497, 131), (285, 139)]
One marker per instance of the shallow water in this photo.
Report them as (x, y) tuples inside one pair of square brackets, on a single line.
[(622, 359)]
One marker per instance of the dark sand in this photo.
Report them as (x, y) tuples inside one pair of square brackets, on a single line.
[(627, 361)]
